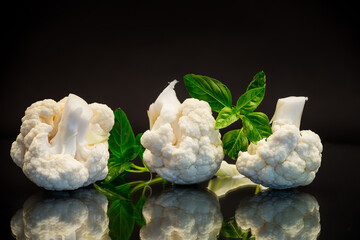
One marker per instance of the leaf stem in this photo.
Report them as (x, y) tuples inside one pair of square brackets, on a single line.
[(138, 169), (145, 184), (135, 171), (142, 160)]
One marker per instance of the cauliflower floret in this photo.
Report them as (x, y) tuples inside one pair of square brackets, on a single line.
[(289, 157), (182, 145), (280, 215), (63, 145), (76, 215), (182, 214)]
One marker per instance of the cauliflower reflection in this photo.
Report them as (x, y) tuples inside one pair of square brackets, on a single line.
[(79, 214), (183, 213), (280, 215)]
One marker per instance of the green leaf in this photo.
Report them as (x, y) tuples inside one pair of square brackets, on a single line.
[(259, 81), (209, 90), (234, 141), (230, 229), (250, 100), (122, 139), (116, 167), (226, 117), (141, 148), (112, 193), (256, 126), (124, 188), (121, 219)]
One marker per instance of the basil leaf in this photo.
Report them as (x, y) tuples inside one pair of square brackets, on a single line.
[(124, 188), (121, 219), (111, 192), (234, 141), (116, 167), (122, 139), (230, 229), (226, 117), (250, 100), (256, 126), (259, 81), (209, 90), (141, 148)]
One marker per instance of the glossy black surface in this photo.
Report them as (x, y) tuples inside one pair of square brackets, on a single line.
[(334, 190)]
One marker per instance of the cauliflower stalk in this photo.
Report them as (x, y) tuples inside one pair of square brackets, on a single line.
[(280, 215), (182, 145), (182, 214), (63, 145), (229, 179), (289, 157), (66, 215)]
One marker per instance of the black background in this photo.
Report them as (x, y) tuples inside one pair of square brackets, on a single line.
[(123, 54)]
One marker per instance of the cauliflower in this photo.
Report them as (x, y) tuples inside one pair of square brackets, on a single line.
[(62, 215), (182, 145), (280, 215), (289, 157), (63, 145), (182, 214)]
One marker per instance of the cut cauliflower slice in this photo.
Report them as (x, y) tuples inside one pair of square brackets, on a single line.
[(182, 214), (66, 215), (280, 215), (289, 157), (182, 145), (63, 145), (229, 179)]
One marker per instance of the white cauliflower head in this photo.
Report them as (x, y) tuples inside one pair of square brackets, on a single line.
[(280, 215), (62, 215), (182, 145), (182, 214), (289, 157), (63, 145)]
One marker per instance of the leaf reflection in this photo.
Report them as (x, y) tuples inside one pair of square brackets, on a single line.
[(182, 213), (124, 210), (280, 215), (79, 214)]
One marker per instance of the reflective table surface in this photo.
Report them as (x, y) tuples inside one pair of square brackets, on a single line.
[(226, 208)]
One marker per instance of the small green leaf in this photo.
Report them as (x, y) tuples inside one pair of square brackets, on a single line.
[(234, 141), (122, 139), (116, 167), (259, 81), (256, 126), (209, 90), (111, 192), (250, 100), (226, 117), (124, 188), (142, 149), (230, 229)]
